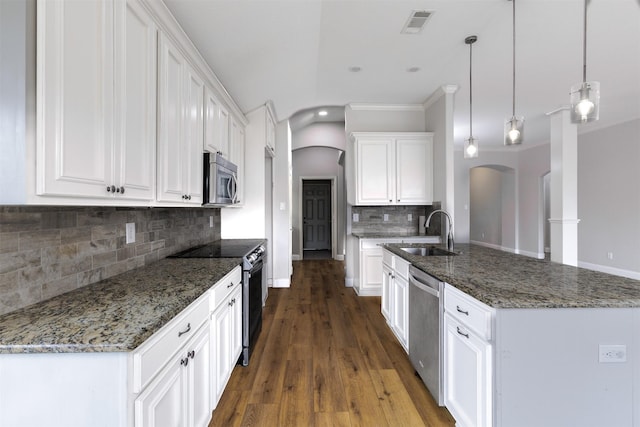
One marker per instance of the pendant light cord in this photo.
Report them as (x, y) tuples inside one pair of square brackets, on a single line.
[(514, 58), (584, 45), (470, 92)]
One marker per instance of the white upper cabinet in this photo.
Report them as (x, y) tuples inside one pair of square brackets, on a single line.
[(391, 168), (96, 69), (180, 132), (216, 124), (271, 133), (236, 149)]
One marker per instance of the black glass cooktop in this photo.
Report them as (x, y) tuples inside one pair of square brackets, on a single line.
[(225, 248)]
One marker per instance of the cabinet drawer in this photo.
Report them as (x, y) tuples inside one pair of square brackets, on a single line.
[(153, 354), (225, 286), (469, 311), (402, 267), (387, 258)]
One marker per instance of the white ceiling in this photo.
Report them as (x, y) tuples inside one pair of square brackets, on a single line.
[(297, 54)]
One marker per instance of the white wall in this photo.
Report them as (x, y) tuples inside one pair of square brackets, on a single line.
[(485, 205), (318, 162), (609, 198), (281, 258), (321, 134)]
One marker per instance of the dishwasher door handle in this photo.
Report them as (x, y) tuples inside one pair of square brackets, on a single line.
[(415, 282)]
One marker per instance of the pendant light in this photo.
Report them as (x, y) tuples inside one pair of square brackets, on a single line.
[(471, 144), (514, 126), (585, 96)]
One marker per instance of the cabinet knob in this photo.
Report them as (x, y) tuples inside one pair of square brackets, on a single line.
[(189, 197), (185, 361), (398, 200), (390, 201), (121, 190), (111, 189), (191, 354)]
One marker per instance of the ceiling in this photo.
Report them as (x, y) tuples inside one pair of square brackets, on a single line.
[(297, 53)]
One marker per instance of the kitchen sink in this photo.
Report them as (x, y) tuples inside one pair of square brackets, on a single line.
[(428, 251)]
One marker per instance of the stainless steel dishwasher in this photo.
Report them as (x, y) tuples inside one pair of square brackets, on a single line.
[(425, 330)]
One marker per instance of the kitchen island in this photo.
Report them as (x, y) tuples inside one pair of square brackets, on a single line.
[(562, 346), (88, 357)]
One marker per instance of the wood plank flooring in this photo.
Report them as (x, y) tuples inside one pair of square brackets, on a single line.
[(326, 357)]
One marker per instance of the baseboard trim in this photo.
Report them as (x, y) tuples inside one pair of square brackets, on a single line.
[(295, 257), (339, 257), (537, 255), (282, 283), (610, 270), (348, 282)]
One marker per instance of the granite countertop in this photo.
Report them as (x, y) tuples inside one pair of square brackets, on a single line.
[(113, 315), (396, 235), (503, 280)]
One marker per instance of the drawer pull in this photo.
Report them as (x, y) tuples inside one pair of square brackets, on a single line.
[(461, 310), (230, 285), (184, 362), (185, 331), (461, 333)]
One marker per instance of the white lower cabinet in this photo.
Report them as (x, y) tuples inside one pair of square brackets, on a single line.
[(180, 395), (468, 359), (395, 296)]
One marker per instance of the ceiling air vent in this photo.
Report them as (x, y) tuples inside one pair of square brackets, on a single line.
[(416, 21)]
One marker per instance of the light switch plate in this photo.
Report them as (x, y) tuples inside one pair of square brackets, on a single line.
[(385, 217), (612, 353), (131, 232), (356, 217), (211, 221)]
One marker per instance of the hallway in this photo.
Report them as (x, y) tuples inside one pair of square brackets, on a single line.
[(326, 358)]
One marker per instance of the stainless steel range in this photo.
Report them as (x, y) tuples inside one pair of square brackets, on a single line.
[(253, 254)]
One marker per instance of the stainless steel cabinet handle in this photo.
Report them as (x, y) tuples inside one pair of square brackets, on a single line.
[(461, 333), (185, 331), (461, 310)]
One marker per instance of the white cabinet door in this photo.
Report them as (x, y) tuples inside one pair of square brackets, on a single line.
[(194, 128), (181, 129), (387, 291), (216, 126), (468, 374), (400, 309), (164, 401), (374, 171), (172, 154), (221, 330), (135, 83), (199, 373), (235, 342), (371, 272), (414, 171), (271, 134), (236, 147), (75, 105)]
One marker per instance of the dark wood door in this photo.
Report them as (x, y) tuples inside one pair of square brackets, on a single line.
[(316, 212)]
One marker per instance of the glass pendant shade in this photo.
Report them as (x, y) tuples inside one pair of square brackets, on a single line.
[(514, 130), (585, 102), (470, 148)]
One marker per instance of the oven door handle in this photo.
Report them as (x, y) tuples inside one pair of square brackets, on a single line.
[(232, 188)]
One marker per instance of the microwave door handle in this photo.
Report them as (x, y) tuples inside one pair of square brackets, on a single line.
[(233, 189)]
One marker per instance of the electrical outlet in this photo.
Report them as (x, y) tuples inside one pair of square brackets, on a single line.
[(356, 217), (409, 217), (385, 217), (612, 353), (211, 221), (130, 232)]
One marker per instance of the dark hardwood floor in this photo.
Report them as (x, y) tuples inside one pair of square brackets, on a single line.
[(326, 357)]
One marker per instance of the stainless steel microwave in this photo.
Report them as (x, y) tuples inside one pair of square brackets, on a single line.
[(220, 181)]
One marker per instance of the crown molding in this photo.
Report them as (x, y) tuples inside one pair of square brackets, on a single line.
[(386, 107), (437, 94)]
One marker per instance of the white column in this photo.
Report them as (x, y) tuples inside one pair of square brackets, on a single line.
[(564, 188)]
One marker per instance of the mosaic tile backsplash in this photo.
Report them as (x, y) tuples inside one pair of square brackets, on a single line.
[(47, 251), (372, 219)]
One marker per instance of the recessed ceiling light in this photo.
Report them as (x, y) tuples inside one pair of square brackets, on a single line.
[(322, 113), (355, 69), (413, 69)]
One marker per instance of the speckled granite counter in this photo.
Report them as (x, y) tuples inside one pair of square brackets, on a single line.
[(504, 280), (114, 315), (379, 235)]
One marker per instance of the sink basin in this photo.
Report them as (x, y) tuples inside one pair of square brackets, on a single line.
[(428, 251)]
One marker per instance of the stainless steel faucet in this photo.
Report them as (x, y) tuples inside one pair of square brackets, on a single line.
[(450, 235)]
